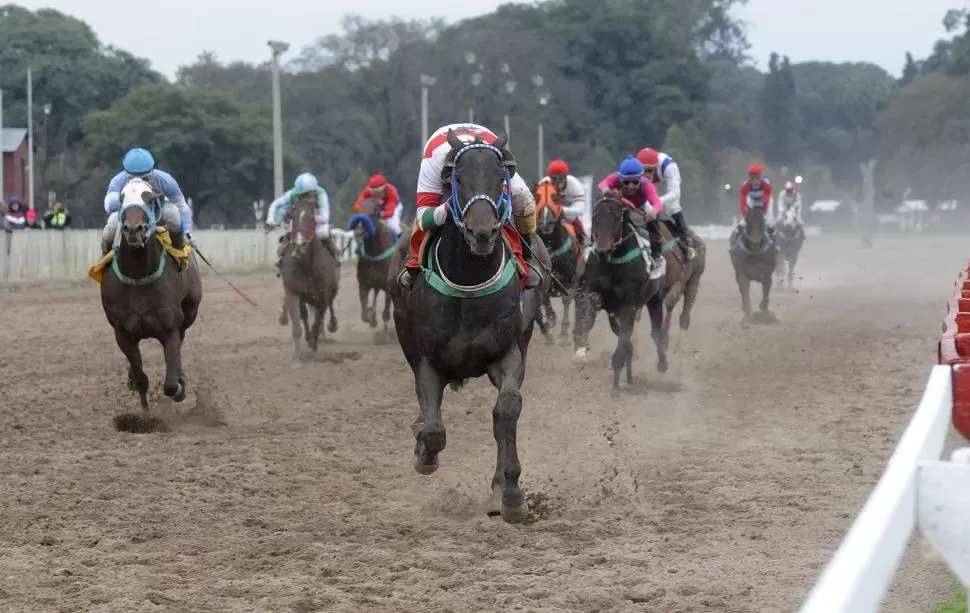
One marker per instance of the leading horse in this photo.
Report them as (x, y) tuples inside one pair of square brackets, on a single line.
[(465, 317), (146, 294), (310, 277), (790, 236), (375, 246), (616, 280), (753, 254), (564, 251)]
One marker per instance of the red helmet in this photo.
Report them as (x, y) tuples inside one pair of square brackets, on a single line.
[(648, 157), (756, 169), (376, 181), (557, 167)]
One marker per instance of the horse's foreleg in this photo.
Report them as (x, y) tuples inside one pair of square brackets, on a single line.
[(291, 306), (744, 286), (765, 293), (137, 379), (585, 319), (690, 295), (429, 428), (566, 301), (313, 340), (386, 315), (174, 385), (362, 291), (623, 354), (373, 308), (659, 332), (506, 375)]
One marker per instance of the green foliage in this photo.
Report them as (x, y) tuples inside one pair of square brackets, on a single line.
[(218, 150), (341, 204), (958, 605)]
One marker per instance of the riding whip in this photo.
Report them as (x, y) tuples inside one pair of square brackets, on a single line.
[(249, 300)]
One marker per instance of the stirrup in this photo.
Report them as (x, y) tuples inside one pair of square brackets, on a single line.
[(405, 279)]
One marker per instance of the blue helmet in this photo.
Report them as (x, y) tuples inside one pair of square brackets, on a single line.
[(138, 161), (630, 169), (305, 183)]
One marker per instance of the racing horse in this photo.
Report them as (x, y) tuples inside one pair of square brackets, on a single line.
[(465, 315), (310, 277), (147, 294), (753, 253), (790, 236), (616, 280), (683, 277), (563, 246), (375, 246)]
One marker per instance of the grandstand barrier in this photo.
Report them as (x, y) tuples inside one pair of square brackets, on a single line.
[(916, 489), (39, 255)]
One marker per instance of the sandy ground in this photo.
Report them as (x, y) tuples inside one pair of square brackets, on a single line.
[(724, 485)]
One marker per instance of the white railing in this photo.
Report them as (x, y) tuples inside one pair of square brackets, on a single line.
[(916, 488), (858, 576), (36, 255)]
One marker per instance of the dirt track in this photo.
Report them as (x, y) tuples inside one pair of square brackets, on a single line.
[(723, 485)]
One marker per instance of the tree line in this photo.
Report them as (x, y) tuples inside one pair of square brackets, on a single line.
[(604, 79)]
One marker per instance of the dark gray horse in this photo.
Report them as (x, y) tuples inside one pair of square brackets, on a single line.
[(464, 316), (753, 253)]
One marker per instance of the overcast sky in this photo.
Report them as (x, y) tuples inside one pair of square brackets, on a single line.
[(174, 32)]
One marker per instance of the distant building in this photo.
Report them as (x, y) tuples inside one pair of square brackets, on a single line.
[(13, 143)]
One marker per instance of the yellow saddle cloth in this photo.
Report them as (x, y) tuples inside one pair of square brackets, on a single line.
[(181, 256)]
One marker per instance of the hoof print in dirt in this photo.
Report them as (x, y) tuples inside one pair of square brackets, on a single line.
[(139, 424)]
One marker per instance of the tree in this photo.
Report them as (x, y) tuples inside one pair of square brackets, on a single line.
[(910, 70), (779, 113), (219, 150)]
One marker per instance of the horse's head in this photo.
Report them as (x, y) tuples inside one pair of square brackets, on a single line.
[(788, 218), (610, 213), (369, 211), (303, 230), (755, 223), (137, 214), (480, 201), (548, 207)]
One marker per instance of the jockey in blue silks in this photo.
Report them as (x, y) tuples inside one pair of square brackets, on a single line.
[(175, 213)]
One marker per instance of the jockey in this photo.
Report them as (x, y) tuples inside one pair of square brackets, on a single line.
[(306, 185), (388, 203), (757, 191), (633, 185), (433, 207), (660, 168), (575, 196), (791, 199), (175, 213)]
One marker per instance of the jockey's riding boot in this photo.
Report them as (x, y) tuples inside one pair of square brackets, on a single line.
[(405, 279), (535, 269), (684, 234), (328, 242), (178, 243)]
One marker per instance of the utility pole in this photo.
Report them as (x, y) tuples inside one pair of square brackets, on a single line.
[(278, 48), (30, 139)]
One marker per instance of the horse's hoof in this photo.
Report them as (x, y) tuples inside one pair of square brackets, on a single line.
[(332, 326), (284, 318), (615, 392), (143, 399), (580, 355), (516, 514), (493, 507), (425, 469), (662, 366), (172, 390), (179, 396)]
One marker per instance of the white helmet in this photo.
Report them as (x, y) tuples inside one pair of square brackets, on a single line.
[(789, 186)]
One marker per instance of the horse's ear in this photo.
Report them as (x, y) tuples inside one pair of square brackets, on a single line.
[(454, 141), (508, 159)]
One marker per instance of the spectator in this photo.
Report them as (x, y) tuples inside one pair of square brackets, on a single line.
[(31, 216), (14, 218), (57, 218)]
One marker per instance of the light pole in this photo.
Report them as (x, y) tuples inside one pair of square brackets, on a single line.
[(477, 77), (509, 89), (427, 82), (278, 48), (2, 191), (544, 98), (30, 139)]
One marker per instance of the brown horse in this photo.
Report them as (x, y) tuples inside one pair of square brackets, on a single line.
[(310, 277), (375, 246), (146, 295), (753, 254), (563, 246), (681, 281)]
